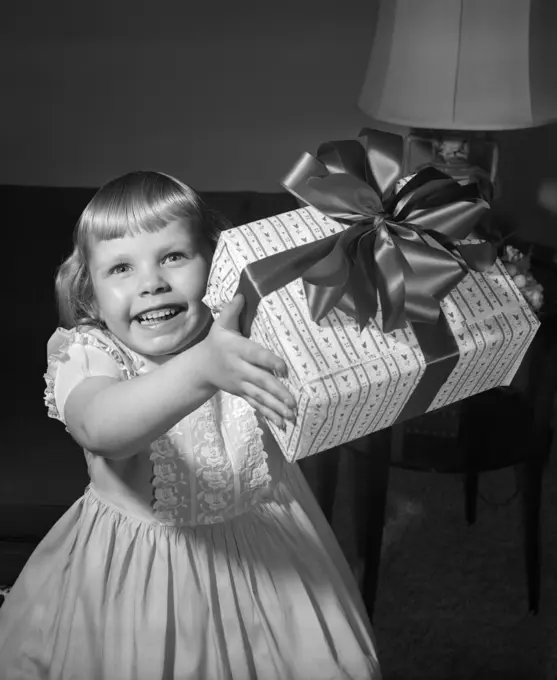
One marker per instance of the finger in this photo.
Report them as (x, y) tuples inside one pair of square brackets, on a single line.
[(229, 316), (282, 407), (266, 412), (259, 381), (256, 355)]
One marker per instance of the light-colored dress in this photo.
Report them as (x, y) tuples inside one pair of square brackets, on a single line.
[(204, 558)]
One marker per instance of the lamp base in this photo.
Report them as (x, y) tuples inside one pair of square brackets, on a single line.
[(466, 157)]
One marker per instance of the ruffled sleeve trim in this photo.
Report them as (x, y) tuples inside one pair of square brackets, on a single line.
[(58, 353)]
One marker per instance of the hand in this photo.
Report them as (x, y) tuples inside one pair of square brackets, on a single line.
[(244, 368)]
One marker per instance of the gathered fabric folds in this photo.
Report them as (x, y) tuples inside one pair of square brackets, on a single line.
[(265, 595)]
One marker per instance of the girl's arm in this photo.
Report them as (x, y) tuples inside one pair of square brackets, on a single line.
[(116, 419)]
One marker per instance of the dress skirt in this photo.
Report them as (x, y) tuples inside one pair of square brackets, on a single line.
[(267, 595)]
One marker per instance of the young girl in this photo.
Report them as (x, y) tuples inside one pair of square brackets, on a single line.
[(196, 552)]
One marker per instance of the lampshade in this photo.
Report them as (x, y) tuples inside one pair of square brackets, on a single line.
[(463, 64)]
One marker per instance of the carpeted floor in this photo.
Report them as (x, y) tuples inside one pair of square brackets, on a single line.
[(452, 597)]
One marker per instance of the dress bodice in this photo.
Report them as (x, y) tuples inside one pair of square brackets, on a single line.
[(214, 464)]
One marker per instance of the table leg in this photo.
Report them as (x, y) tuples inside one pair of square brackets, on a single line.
[(371, 462), (530, 475)]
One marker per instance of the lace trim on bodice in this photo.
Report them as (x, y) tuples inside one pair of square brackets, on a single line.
[(204, 474), (208, 467)]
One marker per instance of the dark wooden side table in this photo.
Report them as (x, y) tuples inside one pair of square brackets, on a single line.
[(485, 442)]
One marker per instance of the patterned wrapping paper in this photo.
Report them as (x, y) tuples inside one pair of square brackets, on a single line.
[(348, 383)]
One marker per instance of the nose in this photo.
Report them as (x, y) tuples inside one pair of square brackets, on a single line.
[(153, 282)]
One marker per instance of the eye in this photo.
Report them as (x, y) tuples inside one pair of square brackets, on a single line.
[(174, 257), (119, 268)]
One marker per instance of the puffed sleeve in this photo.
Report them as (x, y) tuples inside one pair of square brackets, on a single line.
[(74, 356)]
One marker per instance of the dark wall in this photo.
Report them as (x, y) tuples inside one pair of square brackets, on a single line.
[(224, 95)]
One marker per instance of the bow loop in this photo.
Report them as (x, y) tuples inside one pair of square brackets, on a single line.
[(413, 262), (384, 152), (398, 248)]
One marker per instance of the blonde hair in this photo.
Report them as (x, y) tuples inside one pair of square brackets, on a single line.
[(142, 201)]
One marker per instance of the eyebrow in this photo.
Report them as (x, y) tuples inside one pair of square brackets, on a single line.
[(114, 259), (189, 244)]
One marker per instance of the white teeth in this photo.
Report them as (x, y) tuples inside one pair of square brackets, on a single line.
[(157, 315)]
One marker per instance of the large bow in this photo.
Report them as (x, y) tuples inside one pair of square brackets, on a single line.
[(399, 245)]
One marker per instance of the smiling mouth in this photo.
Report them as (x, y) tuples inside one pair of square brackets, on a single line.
[(158, 316)]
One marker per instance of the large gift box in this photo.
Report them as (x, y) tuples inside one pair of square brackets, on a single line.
[(361, 356)]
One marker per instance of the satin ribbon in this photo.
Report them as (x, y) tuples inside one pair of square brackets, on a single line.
[(398, 248)]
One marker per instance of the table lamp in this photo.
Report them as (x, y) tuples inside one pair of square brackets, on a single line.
[(454, 71)]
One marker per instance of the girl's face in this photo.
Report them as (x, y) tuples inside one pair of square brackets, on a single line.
[(148, 288)]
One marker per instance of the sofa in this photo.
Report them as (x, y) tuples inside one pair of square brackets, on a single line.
[(43, 470)]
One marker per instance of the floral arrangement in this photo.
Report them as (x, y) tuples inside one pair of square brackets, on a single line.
[(518, 267)]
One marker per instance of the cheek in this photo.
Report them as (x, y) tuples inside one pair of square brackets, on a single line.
[(197, 281), (109, 300)]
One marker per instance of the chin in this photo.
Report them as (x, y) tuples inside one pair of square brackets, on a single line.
[(162, 346), (159, 349), (171, 343)]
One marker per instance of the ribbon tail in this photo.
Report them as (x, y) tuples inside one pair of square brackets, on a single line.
[(392, 271), (360, 302), (478, 256), (419, 307), (321, 299)]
